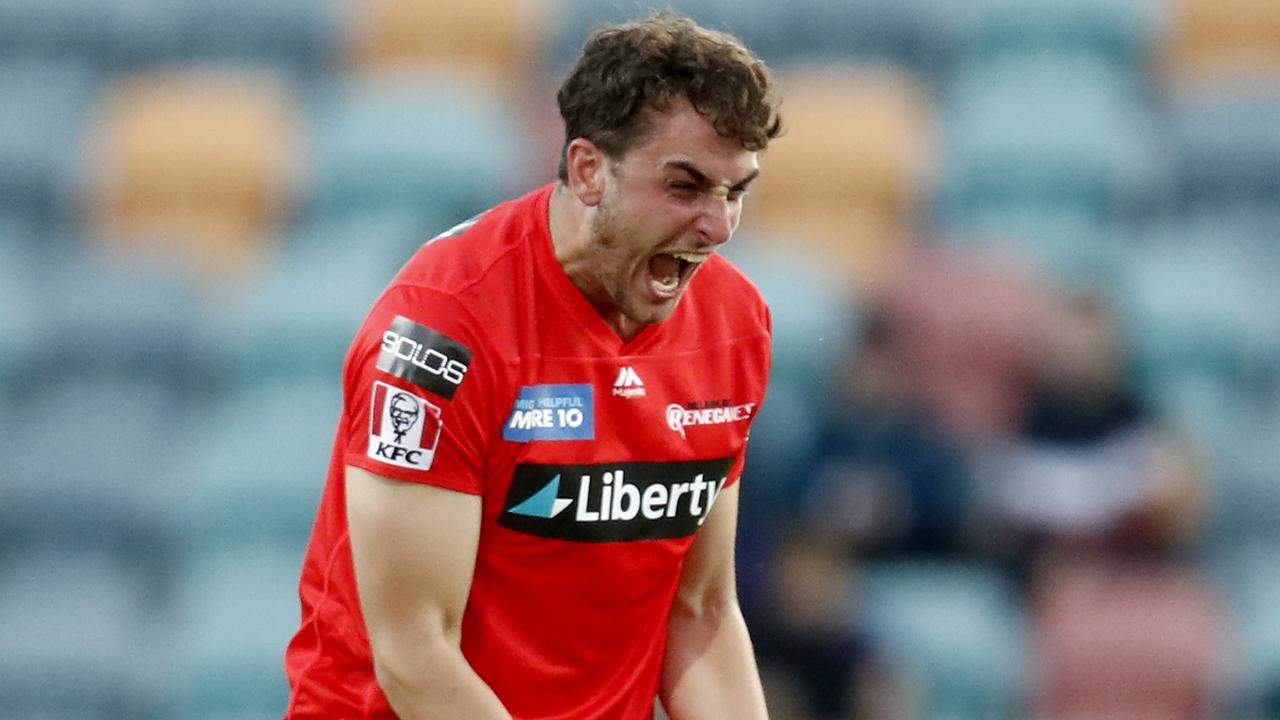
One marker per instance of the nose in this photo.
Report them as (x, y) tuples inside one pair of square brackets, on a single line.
[(718, 219)]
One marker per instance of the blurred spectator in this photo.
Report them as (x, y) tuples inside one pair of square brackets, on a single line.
[(1090, 467), (964, 323), (886, 478)]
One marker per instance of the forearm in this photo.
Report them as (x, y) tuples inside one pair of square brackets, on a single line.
[(434, 680), (710, 668)]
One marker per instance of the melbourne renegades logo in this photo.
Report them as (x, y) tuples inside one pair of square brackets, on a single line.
[(403, 428)]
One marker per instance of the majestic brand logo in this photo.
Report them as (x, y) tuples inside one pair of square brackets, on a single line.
[(613, 502), (628, 384), (403, 428), (552, 412), (427, 358), (680, 417)]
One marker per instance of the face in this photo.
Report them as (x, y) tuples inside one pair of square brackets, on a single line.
[(667, 205)]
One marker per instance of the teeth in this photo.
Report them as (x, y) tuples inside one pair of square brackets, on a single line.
[(668, 284), (691, 257)]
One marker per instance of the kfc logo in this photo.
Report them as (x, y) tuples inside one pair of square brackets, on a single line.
[(403, 428)]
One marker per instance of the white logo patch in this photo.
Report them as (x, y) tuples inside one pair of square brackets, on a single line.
[(628, 384), (680, 417), (403, 428)]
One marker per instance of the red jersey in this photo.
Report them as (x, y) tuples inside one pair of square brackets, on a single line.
[(483, 369)]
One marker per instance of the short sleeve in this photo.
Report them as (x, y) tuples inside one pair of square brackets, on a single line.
[(417, 392)]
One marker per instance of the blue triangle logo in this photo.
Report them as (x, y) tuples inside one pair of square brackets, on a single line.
[(545, 503)]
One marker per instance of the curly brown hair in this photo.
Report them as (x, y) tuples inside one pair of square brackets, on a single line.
[(627, 69)]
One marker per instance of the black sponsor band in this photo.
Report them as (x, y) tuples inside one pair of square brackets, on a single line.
[(613, 502), (427, 358)]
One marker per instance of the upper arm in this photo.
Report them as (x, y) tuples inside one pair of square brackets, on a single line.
[(414, 549), (707, 579)]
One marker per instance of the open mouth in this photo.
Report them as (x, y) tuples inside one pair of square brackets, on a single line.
[(668, 272)]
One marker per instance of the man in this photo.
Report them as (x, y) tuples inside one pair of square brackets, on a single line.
[(531, 505)]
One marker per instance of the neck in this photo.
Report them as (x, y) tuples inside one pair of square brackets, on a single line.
[(570, 225)]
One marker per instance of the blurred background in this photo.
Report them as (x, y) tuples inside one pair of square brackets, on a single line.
[(1021, 452)]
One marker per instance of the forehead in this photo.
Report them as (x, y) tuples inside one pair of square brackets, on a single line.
[(681, 133)]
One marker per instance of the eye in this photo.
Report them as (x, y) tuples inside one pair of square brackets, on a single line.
[(736, 194), (684, 188)]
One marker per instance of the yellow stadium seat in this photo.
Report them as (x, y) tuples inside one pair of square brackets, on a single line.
[(847, 178), (194, 164), (495, 38), (1212, 38)]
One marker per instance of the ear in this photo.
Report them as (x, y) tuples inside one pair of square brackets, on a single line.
[(586, 166)]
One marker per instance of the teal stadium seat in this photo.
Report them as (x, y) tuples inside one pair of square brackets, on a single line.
[(1068, 243), (1245, 487), (1224, 139), (1120, 33), (257, 463), (1050, 131), (299, 314), (814, 309), (752, 21), (780, 33), (413, 142), (1252, 576), (956, 630), (57, 28), (1199, 297), (92, 461), (236, 611), (137, 314), (20, 313), (298, 36), (41, 118), (74, 621)]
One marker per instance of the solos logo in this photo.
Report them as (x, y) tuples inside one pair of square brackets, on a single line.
[(403, 428), (429, 359), (613, 502)]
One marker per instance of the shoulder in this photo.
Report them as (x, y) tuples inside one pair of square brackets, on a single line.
[(482, 249)]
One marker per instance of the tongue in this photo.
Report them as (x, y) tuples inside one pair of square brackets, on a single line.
[(664, 266)]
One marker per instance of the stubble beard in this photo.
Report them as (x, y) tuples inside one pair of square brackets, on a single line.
[(614, 268)]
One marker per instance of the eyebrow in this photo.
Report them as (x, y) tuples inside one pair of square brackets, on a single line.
[(702, 179)]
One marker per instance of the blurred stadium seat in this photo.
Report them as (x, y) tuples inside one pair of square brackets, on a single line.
[(412, 142), (1251, 574), (1198, 298), (1212, 40), (90, 461), (751, 20), (1120, 33), (78, 29), (20, 313), (1067, 243), (193, 165), (300, 36), (956, 630), (46, 104), (72, 619), (297, 315), (236, 611), (257, 466), (1048, 130), (1135, 641), (492, 39), (853, 170), (1225, 144), (137, 315)]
